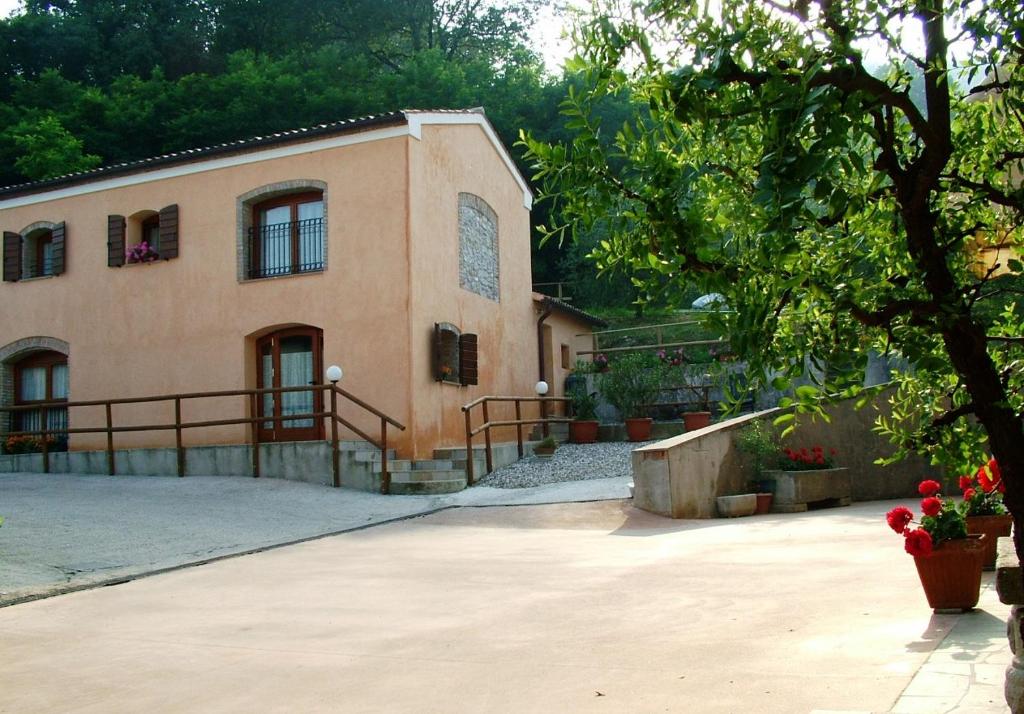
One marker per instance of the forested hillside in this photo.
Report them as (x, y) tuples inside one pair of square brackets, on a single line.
[(91, 82)]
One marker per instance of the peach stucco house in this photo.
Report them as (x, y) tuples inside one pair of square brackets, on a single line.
[(392, 246)]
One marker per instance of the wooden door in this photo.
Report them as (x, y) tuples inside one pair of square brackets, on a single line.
[(290, 358)]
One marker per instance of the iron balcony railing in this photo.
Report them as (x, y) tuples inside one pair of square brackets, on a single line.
[(286, 248)]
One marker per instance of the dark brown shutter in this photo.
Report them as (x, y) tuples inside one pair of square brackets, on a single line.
[(115, 241), (436, 353), (12, 257), (467, 358), (60, 248), (169, 232)]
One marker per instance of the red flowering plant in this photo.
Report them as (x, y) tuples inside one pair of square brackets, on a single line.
[(941, 520), (983, 491), (804, 459)]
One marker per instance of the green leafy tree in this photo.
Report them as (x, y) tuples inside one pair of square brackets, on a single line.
[(47, 149), (765, 160)]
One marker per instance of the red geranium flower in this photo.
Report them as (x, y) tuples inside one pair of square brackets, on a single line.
[(993, 467), (918, 543), (966, 482), (985, 481), (931, 506), (898, 518), (969, 493), (929, 487)]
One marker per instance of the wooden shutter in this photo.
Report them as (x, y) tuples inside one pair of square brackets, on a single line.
[(467, 358), (12, 257), (436, 353), (169, 232), (60, 248), (115, 241)]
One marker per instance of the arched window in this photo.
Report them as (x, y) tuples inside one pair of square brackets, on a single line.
[(38, 251), (41, 377), (287, 235), (282, 229)]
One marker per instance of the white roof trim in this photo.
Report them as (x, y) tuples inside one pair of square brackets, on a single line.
[(203, 165), (418, 119)]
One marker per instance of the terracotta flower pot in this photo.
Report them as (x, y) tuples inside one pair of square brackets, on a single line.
[(764, 503), (993, 527), (696, 420), (583, 431), (638, 429), (951, 575)]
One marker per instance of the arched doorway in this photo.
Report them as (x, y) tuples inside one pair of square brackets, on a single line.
[(289, 358)]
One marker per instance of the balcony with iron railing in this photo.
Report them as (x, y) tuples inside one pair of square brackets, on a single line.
[(286, 248)]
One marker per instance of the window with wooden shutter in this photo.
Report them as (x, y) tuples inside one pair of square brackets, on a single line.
[(446, 353), (12, 257), (467, 358), (169, 232), (115, 241), (60, 251)]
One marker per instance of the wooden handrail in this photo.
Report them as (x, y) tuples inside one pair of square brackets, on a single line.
[(486, 427), (252, 398)]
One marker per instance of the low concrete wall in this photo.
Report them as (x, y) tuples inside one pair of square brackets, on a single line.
[(681, 477)]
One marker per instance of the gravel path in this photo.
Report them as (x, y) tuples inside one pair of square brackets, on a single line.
[(571, 462)]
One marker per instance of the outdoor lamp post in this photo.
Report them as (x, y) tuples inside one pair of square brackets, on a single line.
[(542, 389), (334, 373)]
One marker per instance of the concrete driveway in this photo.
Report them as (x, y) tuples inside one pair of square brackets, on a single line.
[(569, 607), (67, 531)]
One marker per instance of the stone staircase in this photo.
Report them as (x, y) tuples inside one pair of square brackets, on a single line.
[(445, 473)]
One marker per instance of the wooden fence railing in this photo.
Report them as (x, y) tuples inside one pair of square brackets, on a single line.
[(518, 422), (178, 425)]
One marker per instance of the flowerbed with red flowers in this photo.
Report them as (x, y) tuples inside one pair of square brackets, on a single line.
[(804, 459), (941, 519)]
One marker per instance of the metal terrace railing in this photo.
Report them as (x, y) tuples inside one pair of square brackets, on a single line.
[(286, 248), (518, 422), (178, 426), (659, 338)]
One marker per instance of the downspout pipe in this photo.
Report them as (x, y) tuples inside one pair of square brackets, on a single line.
[(548, 309)]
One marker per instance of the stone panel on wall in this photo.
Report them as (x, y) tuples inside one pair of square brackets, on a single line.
[(478, 247)]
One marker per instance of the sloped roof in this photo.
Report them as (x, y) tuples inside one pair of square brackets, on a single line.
[(412, 117), (546, 301)]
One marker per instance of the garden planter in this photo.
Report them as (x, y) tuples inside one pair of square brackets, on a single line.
[(544, 452), (993, 527), (735, 506), (583, 432), (795, 491), (638, 429), (696, 420), (951, 575), (764, 503)]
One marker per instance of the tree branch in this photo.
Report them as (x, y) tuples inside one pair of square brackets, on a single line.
[(952, 415)]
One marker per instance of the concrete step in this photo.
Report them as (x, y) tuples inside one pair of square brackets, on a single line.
[(371, 455), (415, 476), (419, 488)]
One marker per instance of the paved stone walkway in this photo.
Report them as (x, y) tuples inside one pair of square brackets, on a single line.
[(566, 607)]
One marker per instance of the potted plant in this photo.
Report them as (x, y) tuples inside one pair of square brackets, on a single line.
[(545, 449), (628, 385), (948, 560), (758, 441), (583, 427), (807, 476), (983, 507)]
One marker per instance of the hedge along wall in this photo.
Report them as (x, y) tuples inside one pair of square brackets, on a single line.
[(681, 477)]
